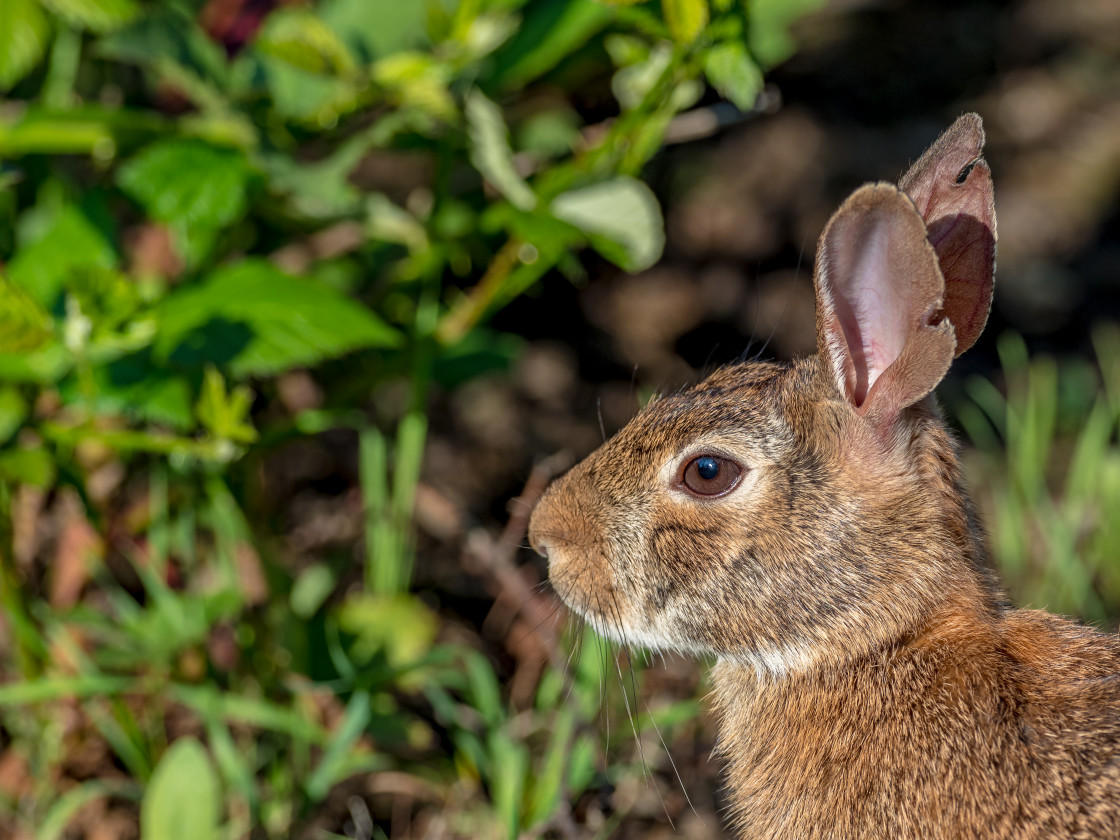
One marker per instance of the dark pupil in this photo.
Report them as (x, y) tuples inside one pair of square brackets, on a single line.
[(707, 467)]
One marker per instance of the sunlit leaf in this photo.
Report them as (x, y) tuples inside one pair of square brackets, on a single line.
[(24, 32), (387, 222), (686, 18), (415, 80), (97, 15), (260, 321), (225, 414), (733, 73), (182, 798), (621, 216), (490, 151), (300, 37), (400, 625), (375, 30)]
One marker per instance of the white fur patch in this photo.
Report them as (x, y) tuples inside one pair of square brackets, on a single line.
[(776, 663)]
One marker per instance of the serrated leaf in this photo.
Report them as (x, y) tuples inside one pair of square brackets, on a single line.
[(299, 37), (686, 19), (622, 218), (95, 15), (24, 32), (188, 183), (106, 296), (24, 325), (260, 321), (733, 73), (71, 243), (490, 151), (182, 798)]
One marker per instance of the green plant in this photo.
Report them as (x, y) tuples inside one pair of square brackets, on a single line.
[(1050, 473), (188, 220)]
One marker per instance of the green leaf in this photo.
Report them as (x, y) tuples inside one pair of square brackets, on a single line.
[(686, 18), (332, 768), (490, 151), (509, 766), (400, 625), (71, 243), (64, 809), (769, 39), (188, 183), (167, 40), (417, 81), (27, 466), (225, 415), (24, 325), (733, 73), (548, 783), (551, 30), (261, 321), (213, 704), (13, 410), (375, 30), (311, 589), (387, 222), (182, 798), (24, 32), (621, 217), (134, 386), (96, 15), (300, 37), (107, 297)]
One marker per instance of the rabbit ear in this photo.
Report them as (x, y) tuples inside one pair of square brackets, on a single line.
[(879, 298), (951, 186)]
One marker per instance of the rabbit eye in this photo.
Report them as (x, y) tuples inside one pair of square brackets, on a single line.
[(710, 475)]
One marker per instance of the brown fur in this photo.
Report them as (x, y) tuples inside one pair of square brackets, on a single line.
[(871, 681)]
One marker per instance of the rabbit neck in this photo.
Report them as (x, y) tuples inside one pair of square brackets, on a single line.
[(824, 746)]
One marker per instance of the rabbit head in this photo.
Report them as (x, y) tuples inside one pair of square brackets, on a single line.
[(784, 515)]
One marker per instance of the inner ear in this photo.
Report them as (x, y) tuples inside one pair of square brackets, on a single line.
[(951, 186), (879, 295)]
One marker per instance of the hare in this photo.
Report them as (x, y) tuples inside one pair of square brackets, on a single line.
[(807, 526)]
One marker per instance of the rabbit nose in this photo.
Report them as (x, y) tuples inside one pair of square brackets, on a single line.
[(539, 545)]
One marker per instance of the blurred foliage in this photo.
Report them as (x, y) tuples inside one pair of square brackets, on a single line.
[(187, 215), (1047, 465)]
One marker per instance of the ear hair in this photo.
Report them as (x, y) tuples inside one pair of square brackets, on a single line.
[(951, 186), (879, 295)]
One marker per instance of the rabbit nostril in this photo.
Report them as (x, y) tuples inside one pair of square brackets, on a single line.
[(540, 547)]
